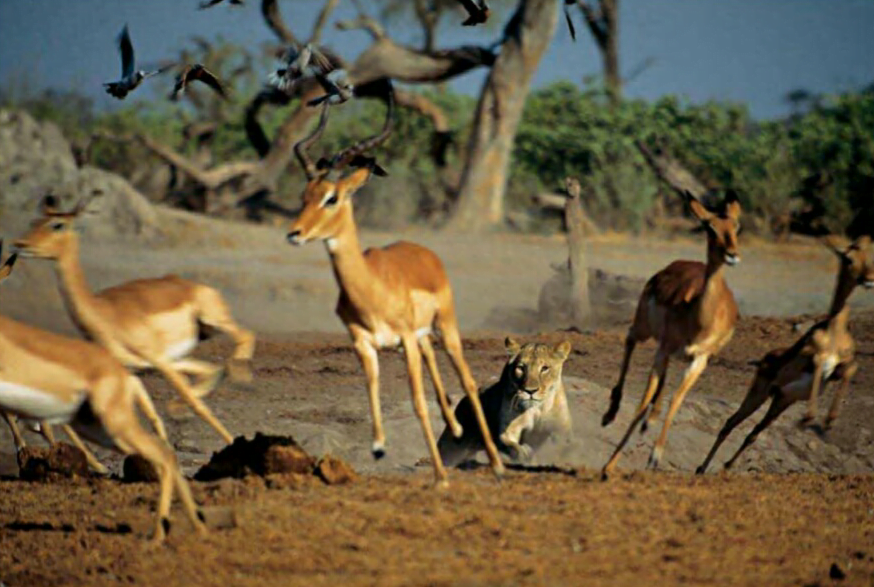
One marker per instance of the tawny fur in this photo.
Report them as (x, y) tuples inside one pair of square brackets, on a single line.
[(147, 323), (524, 409), (689, 309), (826, 352), (72, 382), (389, 297)]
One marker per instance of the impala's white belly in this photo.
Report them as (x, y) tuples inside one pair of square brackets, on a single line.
[(180, 349), (829, 365), (28, 402)]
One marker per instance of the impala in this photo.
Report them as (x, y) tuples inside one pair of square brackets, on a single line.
[(147, 323), (689, 309), (390, 297), (59, 380), (825, 352), (44, 428)]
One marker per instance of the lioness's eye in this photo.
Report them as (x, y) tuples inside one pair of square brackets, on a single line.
[(544, 369)]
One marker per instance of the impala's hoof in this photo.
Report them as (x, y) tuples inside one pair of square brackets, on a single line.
[(700, 470), (654, 458), (378, 450)]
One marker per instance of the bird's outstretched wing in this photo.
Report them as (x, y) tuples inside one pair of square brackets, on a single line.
[(127, 53), (200, 73), (159, 69)]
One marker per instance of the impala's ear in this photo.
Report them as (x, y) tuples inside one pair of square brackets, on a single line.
[(863, 242), (512, 346), (732, 205), (354, 181), (697, 208), (563, 350)]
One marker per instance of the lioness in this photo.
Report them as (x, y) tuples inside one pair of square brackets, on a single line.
[(524, 408)]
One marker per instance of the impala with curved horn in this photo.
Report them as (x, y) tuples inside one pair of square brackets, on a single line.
[(389, 297), (60, 380), (147, 323)]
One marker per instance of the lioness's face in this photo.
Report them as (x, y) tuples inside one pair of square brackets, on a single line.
[(535, 369)]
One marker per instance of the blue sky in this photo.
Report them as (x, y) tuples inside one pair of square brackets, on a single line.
[(754, 51)]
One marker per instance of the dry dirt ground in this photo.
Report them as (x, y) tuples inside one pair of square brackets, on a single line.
[(798, 510)]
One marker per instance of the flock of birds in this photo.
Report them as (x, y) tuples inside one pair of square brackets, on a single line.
[(687, 307)]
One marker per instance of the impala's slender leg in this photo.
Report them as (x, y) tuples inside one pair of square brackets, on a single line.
[(657, 373), (370, 363), (16, 432), (214, 312), (89, 456), (757, 395), (414, 369), (190, 397), (452, 342), (445, 407), (815, 384), (849, 372), (207, 376), (655, 405), (639, 332), (777, 407), (45, 430), (616, 392), (693, 371), (144, 401)]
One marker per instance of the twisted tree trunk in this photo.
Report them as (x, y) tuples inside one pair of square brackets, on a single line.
[(484, 179)]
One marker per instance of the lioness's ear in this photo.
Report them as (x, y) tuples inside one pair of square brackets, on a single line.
[(512, 346), (563, 350)]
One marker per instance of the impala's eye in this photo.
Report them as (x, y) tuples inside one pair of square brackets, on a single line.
[(56, 226), (332, 200)]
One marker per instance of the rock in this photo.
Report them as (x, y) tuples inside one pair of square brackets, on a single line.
[(48, 464), (287, 459), (137, 469), (335, 471), (36, 159), (260, 456)]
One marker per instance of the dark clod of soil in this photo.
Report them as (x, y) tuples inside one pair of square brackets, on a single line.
[(335, 471), (60, 461), (137, 469), (836, 572), (263, 455)]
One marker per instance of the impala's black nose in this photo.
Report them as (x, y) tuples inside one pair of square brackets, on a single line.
[(293, 237)]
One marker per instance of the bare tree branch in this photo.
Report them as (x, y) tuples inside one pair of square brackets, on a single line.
[(385, 58), (322, 19), (671, 171), (362, 22)]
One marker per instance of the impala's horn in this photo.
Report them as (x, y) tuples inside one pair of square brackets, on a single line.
[(300, 148), (355, 153)]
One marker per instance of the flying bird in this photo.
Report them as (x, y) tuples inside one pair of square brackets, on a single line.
[(338, 88), (300, 62), (477, 11), (211, 3), (130, 76), (198, 72)]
